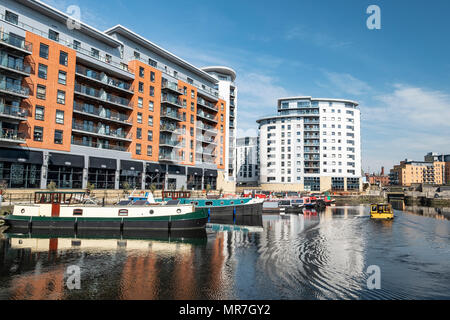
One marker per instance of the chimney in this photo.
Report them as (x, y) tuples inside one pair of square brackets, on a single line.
[(382, 171)]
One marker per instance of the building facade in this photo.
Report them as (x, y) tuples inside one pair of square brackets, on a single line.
[(311, 144), (229, 92), (111, 108), (417, 172), (247, 160)]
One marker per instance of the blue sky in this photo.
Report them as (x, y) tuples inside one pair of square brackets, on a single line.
[(400, 74)]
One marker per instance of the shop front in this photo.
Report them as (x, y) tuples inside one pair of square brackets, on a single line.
[(20, 168), (131, 173), (155, 174), (65, 170), (210, 178), (194, 178), (102, 172)]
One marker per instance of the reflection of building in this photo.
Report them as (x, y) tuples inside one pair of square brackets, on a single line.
[(312, 144), (111, 108), (247, 159)]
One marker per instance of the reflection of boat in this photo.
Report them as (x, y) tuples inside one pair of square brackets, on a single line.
[(69, 210), (283, 206), (229, 227), (63, 240), (381, 211)]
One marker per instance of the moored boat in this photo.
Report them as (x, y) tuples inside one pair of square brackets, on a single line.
[(381, 211), (70, 210)]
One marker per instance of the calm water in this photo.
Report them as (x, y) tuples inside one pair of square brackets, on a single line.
[(311, 256)]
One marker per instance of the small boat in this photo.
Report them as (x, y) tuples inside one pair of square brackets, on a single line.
[(381, 211), (283, 206), (76, 211)]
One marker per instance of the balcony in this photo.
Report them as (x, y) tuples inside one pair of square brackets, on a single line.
[(171, 87), (17, 44), (80, 142), (104, 97), (103, 79), (102, 132), (206, 116), (169, 157), (12, 136), (206, 104), (171, 100), (169, 127), (205, 139), (18, 67), (100, 113), (170, 143), (205, 151), (12, 112), (13, 89), (205, 127), (171, 115)]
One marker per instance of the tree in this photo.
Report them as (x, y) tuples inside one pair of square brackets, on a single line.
[(89, 188), (152, 188), (126, 188), (208, 189)]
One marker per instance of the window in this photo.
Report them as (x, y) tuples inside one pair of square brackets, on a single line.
[(141, 87), (53, 35), (39, 113), (138, 148), (152, 76), (58, 137), (63, 58), (42, 71), (38, 133), (150, 106), (149, 151), (137, 55), (150, 121), (152, 91), (141, 72), (62, 77), (192, 119), (76, 44), (59, 116), (139, 133), (139, 117), (41, 92), (11, 17), (108, 58), (190, 81), (95, 53), (140, 102), (43, 51), (61, 98), (153, 63), (150, 135), (192, 94)]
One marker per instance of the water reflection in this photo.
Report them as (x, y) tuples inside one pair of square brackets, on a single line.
[(315, 255)]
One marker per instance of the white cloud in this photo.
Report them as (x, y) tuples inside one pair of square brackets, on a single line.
[(344, 84), (314, 37)]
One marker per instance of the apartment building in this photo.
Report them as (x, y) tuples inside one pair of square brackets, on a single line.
[(410, 172), (247, 160), (79, 106), (228, 91), (312, 144)]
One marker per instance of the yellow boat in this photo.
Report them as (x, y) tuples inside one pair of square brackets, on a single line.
[(381, 211)]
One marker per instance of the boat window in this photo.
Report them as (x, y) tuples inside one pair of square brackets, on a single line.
[(374, 208), (192, 202), (208, 203), (152, 212), (222, 203), (123, 212), (196, 203), (242, 201), (77, 212), (232, 202)]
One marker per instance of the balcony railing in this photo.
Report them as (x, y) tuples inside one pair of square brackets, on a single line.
[(111, 133), (80, 142), (171, 115), (13, 111), (13, 88), (102, 113), (169, 156), (12, 135), (16, 65), (15, 41), (103, 96), (172, 100), (170, 142), (202, 126), (206, 116), (203, 103), (205, 139), (172, 86), (110, 81)]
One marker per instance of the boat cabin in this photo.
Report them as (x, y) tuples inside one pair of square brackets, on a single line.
[(52, 197)]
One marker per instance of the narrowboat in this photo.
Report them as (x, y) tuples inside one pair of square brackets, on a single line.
[(72, 211), (283, 206), (381, 211)]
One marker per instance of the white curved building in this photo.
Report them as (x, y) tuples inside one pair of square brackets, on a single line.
[(313, 144), (228, 92)]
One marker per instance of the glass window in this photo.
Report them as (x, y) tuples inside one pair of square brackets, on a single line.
[(41, 92), (39, 113), (150, 106), (59, 116), (138, 133), (150, 121), (141, 72), (61, 98), (138, 148), (141, 87), (53, 35), (139, 117), (63, 58), (149, 151), (76, 44), (62, 77), (150, 135), (152, 76), (42, 71), (140, 102), (11, 17), (58, 137), (95, 53), (153, 63), (38, 133), (152, 91), (43, 51)]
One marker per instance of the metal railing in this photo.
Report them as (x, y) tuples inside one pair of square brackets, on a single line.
[(13, 111), (18, 65), (166, 98), (82, 143), (15, 41), (112, 133), (172, 115), (102, 113), (11, 134), (203, 103), (206, 116), (13, 88), (106, 97)]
